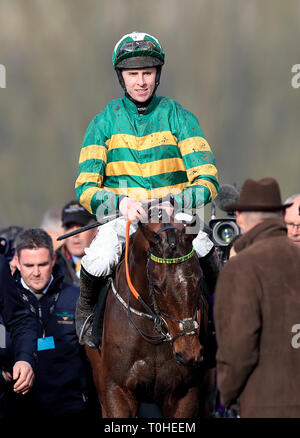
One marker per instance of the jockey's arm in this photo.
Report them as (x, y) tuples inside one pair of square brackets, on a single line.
[(199, 163)]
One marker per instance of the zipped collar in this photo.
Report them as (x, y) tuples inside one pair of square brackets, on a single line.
[(43, 292), (131, 107)]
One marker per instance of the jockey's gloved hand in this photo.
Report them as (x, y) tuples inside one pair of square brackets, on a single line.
[(169, 202), (167, 206), (132, 209), (177, 203), (160, 203)]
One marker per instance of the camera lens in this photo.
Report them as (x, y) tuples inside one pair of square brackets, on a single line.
[(224, 232)]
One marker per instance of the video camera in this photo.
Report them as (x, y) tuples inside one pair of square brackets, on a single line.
[(7, 241), (224, 230), (7, 248)]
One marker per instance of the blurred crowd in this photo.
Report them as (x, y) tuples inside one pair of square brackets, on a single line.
[(46, 276)]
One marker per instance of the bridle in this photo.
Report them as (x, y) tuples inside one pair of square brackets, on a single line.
[(187, 326)]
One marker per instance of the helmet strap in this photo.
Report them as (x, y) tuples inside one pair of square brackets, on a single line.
[(120, 77), (157, 77)]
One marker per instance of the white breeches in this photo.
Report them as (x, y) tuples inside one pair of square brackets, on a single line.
[(106, 249)]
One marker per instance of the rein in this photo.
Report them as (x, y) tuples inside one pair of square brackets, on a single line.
[(158, 320), (187, 326), (131, 287)]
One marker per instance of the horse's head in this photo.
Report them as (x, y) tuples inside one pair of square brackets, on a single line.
[(174, 276)]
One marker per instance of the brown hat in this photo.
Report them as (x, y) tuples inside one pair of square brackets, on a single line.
[(262, 195)]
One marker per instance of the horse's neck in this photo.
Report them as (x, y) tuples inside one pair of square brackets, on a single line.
[(138, 253)]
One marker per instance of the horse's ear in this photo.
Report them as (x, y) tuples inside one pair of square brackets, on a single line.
[(149, 234)]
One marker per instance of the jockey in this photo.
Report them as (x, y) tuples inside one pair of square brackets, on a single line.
[(140, 147)]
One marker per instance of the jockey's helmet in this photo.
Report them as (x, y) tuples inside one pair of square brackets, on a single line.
[(138, 50)]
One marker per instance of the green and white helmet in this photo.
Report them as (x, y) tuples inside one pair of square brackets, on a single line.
[(138, 50)]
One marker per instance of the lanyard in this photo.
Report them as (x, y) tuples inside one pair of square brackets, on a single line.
[(37, 311), (51, 310)]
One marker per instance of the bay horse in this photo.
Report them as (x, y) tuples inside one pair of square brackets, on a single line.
[(154, 327)]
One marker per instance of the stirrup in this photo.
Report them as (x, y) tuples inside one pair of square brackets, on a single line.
[(82, 331)]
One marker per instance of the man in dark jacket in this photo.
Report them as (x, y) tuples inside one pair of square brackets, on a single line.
[(69, 255), (257, 309), (61, 388), (21, 325)]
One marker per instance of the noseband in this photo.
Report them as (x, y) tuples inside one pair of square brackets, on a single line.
[(187, 326)]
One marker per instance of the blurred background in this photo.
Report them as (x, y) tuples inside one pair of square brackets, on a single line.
[(227, 61)]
